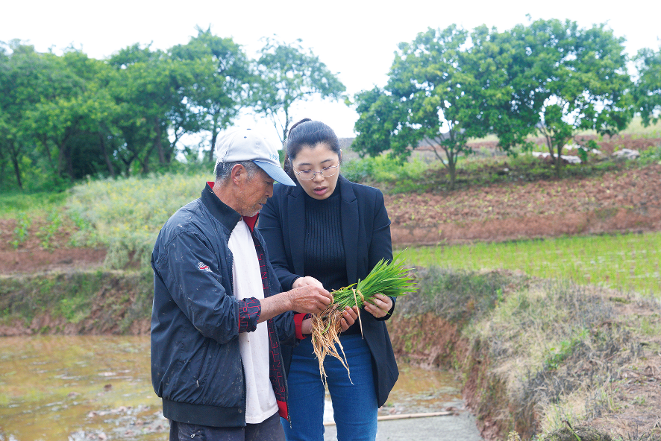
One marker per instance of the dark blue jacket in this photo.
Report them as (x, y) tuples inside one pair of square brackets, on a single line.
[(196, 320), (366, 239)]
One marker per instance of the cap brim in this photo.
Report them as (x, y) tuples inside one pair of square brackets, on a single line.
[(275, 172)]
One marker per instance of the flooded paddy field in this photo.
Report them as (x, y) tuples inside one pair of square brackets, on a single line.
[(99, 388)]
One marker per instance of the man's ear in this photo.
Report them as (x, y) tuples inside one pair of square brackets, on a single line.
[(238, 173), (340, 155)]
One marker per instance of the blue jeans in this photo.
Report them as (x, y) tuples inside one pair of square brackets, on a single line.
[(354, 405)]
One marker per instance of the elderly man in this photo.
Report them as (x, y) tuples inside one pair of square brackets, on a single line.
[(218, 316)]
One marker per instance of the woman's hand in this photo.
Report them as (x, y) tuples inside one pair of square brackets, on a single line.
[(379, 306), (349, 317)]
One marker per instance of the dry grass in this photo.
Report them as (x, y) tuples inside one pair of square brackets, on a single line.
[(549, 353), (563, 352)]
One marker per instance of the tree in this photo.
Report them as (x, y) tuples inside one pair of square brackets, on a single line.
[(376, 122), (67, 126), (287, 74), (215, 75), (434, 95), (145, 86), (503, 71), (27, 79), (647, 92), (579, 81)]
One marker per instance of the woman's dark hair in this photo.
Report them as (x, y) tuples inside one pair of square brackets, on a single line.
[(308, 133)]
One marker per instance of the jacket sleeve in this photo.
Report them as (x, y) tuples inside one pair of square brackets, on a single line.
[(381, 244), (271, 229), (189, 269)]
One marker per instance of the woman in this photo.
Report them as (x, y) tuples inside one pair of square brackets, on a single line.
[(330, 231)]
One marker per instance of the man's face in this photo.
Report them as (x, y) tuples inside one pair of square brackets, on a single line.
[(253, 192)]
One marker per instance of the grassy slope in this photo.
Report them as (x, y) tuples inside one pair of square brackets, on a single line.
[(536, 353)]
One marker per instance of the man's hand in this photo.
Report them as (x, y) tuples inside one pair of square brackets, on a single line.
[(379, 306), (305, 281), (309, 299)]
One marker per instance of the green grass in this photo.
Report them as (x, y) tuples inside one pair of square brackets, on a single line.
[(628, 262), (126, 215), (636, 128), (14, 203)]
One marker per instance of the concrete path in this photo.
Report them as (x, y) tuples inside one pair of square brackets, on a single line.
[(460, 427)]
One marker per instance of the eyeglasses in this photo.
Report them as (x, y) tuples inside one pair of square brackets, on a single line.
[(308, 175)]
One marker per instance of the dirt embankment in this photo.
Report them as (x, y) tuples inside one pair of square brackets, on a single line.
[(615, 202), (42, 250), (76, 302), (615, 386)]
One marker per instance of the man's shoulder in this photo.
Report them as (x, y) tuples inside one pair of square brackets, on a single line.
[(186, 214), (191, 218)]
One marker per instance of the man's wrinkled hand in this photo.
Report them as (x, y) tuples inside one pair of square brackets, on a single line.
[(305, 281), (310, 299)]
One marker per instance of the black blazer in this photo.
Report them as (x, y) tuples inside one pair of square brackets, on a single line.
[(366, 238)]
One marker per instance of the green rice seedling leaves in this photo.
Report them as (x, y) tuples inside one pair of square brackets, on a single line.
[(628, 262), (388, 278)]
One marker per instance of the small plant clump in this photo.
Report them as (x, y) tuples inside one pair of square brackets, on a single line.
[(387, 278), (21, 232)]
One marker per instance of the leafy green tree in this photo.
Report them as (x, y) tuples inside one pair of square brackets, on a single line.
[(376, 122), (67, 125), (146, 89), (27, 79), (647, 92), (287, 74), (502, 69), (433, 96), (215, 75), (579, 81)]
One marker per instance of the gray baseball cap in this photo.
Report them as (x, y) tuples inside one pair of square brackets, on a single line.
[(248, 144)]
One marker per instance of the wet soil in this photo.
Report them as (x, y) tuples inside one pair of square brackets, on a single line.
[(36, 254), (98, 387)]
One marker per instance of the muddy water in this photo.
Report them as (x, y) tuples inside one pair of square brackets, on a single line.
[(98, 387)]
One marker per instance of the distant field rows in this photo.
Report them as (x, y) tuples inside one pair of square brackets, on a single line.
[(628, 262)]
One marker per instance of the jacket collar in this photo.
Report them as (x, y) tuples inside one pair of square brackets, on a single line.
[(218, 209)]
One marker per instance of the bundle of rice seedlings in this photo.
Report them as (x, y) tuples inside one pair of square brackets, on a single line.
[(388, 278)]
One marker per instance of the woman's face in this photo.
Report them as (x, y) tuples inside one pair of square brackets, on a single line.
[(311, 160)]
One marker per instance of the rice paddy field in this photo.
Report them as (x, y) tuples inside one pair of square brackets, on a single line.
[(627, 262)]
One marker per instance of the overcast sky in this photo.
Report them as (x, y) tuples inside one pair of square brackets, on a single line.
[(356, 39)]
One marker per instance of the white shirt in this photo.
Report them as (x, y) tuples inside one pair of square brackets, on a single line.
[(254, 346)]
